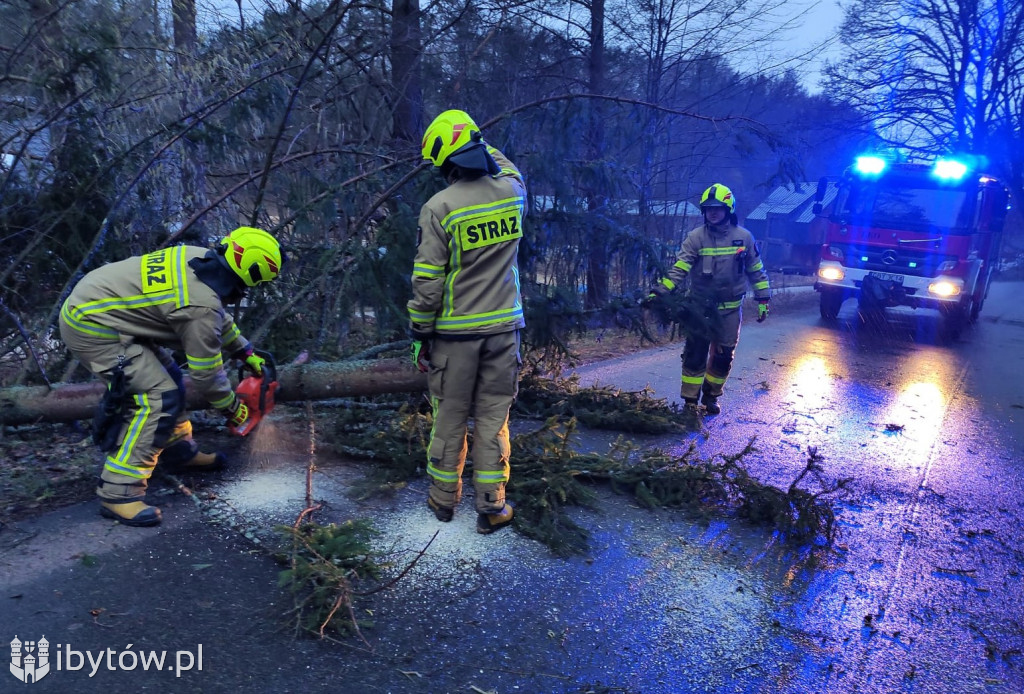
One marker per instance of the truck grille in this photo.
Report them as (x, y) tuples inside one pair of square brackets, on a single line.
[(901, 261)]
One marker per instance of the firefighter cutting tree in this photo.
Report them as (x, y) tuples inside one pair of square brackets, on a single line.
[(122, 320), (719, 258)]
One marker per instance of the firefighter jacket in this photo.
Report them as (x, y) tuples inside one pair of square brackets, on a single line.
[(719, 263), (465, 278), (158, 298)]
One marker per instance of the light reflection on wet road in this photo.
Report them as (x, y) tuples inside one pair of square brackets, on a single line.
[(926, 595)]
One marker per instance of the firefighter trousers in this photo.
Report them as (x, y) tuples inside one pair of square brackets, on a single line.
[(707, 362), (154, 420), (479, 378)]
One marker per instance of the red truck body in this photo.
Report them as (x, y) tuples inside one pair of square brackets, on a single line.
[(924, 235)]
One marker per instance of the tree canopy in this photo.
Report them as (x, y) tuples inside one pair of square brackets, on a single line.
[(132, 125)]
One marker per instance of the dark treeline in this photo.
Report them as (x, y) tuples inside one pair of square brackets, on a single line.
[(127, 126)]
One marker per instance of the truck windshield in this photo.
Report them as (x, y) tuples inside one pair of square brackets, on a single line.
[(916, 209)]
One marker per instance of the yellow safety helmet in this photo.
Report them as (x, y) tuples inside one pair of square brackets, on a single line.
[(453, 138), (252, 254), (447, 134), (718, 196)]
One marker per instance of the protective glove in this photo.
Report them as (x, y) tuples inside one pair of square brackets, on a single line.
[(254, 362), (762, 310), (646, 301), (237, 414), (421, 355)]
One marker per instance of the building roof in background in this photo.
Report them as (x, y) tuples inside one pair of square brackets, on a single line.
[(830, 194), (792, 198), (15, 142)]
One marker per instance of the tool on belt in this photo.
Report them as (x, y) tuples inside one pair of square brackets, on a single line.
[(107, 421), (257, 393)]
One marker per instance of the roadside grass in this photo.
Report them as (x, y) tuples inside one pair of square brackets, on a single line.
[(45, 467)]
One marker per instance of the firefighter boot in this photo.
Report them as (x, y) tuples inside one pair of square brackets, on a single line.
[(204, 462), (711, 404), (133, 512), (125, 502), (691, 408), (185, 456), (487, 523), (442, 513)]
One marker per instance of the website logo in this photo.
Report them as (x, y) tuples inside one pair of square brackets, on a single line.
[(30, 660)]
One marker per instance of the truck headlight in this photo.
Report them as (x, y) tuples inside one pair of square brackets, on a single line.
[(831, 271), (944, 288)]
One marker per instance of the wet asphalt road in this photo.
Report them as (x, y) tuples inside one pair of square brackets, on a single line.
[(924, 596)]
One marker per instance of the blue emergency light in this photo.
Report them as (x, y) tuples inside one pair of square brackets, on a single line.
[(869, 166), (949, 169)]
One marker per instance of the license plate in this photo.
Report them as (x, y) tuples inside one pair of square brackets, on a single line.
[(886, 276)]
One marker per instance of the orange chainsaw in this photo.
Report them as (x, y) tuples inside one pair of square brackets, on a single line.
[(257, 392)]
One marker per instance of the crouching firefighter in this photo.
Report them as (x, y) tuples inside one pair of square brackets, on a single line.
[(719, 258), (466, 313), (122, 321)]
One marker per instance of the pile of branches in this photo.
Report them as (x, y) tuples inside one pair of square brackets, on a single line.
[(549, 475), (395, 441)]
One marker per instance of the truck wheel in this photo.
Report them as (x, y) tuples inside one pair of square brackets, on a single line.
[(950, 329), (976, 309), (978, 300), (955, 319), (831, 302)]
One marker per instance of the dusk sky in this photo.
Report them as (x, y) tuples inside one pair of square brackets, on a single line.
[(816, 21)]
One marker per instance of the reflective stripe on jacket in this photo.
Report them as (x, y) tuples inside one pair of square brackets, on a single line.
[(465, 278), (158, 297), (720, 264)]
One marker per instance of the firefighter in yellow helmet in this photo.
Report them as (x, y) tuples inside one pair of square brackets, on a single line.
[(466, 313), (123, 319), (720, 259)]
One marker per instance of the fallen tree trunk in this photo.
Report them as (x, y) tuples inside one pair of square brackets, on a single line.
[(66, 402)]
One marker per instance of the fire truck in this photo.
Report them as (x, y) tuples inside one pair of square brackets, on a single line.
[(918, 234)]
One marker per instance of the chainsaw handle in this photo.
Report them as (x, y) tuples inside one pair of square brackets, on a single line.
[(269, 366)]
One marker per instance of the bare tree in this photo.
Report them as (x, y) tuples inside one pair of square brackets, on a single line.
[(939, 76), (405, 69)]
